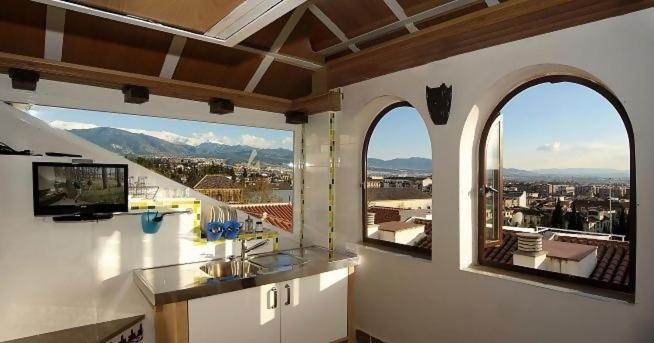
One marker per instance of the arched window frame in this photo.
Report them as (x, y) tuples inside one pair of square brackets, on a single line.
[(395, 247), (481, 243)]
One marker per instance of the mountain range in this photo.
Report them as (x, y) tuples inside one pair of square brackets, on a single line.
[(139, 144), (128, 143), (567, 172), (411, 163)]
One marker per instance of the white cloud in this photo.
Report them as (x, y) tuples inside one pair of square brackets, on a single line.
[(208, 137), (553, 147), (165, 135), (613, 155), (287, 142), (256, 142), (69, 125)]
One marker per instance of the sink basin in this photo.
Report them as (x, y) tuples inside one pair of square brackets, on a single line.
[(276, 262), (230, 269)]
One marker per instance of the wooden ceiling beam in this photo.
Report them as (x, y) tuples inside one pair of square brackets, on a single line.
[(386, 29), (69, 72), (503, 23), (311, 104)]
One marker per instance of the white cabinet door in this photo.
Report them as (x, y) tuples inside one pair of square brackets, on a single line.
[(314, 308), (249, 315)]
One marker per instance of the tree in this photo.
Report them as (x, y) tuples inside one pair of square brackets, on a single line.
[(575, 220), (118, 174), (259, 192), (622, 224), (104, 178), (557, 216)]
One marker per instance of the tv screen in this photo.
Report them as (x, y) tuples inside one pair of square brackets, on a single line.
[(65, 188)]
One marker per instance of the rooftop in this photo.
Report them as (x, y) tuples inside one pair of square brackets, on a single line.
[(396, 194), (398, 226), (279, 215), (612, 256)]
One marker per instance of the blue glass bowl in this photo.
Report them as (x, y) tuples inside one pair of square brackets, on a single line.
[(148, 224), (232, 228), (214, 230)]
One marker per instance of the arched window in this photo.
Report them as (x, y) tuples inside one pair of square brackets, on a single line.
[(397, 182), (558, 152)]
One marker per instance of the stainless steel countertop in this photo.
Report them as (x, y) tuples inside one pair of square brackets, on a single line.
[(169, 284)]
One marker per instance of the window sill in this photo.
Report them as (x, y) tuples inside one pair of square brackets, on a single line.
[(605, 295), (399, 251)]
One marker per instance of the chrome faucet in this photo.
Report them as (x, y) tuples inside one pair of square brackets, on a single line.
[(245, 249)]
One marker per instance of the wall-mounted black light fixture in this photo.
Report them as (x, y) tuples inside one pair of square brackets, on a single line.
[(23, 79), (136, 94), (439, 101), (221, 106), (296, 117)]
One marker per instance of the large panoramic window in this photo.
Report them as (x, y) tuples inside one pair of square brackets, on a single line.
[(397, 181), (557, 194), (246, 167)]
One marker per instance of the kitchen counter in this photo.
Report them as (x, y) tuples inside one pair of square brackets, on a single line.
[(169, 284), (99, 332)]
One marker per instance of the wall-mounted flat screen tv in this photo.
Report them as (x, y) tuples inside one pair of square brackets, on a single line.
[(66, 188)]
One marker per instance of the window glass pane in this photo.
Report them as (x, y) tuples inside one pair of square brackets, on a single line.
[(399, 180), (558, 185), (492, 182), (246, 167)]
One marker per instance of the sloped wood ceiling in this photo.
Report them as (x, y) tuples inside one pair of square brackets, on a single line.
[(194, 15), (104, 43), (351, 40), (216, 65), (22, 27)]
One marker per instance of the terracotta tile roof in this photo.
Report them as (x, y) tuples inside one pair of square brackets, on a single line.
[(425, 242), (279, 215), (215, 181), (385, 214), (612, 256), (396, 194)]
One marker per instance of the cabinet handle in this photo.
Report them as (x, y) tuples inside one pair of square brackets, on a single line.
[(288, 294), (274, 305)]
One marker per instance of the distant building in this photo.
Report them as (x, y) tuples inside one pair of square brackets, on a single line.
[(515, 199), (220, 187), (373, 182), (396, 183), (426, 184)]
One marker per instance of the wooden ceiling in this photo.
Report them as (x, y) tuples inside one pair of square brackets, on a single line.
[(343, 41)]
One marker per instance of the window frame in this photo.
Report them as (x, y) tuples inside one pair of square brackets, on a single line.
[(575, 280), (390, 246), (69, 101)]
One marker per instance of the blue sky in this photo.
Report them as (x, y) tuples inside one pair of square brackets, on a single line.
[(174, 130), (401, 133), (563, 125)]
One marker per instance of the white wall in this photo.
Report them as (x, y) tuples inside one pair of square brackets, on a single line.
[(403, 299), (61, 275)]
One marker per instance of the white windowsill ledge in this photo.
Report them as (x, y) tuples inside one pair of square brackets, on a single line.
[(594, 293), (353, 247)]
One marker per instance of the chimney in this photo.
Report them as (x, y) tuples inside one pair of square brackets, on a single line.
[(371, 219), (372, 228), (530, 251)]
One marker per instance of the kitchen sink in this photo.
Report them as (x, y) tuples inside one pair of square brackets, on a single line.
[(276, 262), (230, 269)]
